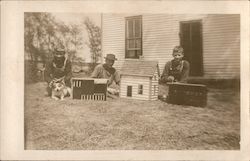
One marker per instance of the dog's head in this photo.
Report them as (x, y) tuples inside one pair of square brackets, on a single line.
[(58, 85)]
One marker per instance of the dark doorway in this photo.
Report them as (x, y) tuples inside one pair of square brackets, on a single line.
[(129, 91), (191, 41)]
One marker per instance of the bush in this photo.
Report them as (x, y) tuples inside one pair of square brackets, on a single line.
[(32, 71)]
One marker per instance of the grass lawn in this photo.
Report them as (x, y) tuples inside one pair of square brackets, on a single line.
[(121, 124)]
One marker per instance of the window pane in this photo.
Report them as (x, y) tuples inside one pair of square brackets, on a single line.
[(133, 53), (140, 89), (133, 37), (137, 27), (130, 29), (131, 44), (130, 54), (138, 53), (138, 43)]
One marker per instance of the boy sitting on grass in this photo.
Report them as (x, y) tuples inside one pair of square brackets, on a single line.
[(107, 71), (176, 70)]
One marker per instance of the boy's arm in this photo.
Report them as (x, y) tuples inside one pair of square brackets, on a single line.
[(165, 72), (95, 73), (117, 78), (48, 72), (185, 72), (68, 71)]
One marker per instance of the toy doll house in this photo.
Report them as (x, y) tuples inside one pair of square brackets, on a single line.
[(139, 80), (89, 89)]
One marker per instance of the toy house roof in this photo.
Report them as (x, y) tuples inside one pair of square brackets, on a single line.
[(139, 68)]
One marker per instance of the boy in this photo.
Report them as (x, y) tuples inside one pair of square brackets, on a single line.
[(59, 67), (107, 71), (176, 70)]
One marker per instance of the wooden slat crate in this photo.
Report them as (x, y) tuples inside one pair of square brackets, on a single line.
[(187, 94), (89, 89)]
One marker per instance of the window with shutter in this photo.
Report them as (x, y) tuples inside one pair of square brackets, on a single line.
[(133, 37)]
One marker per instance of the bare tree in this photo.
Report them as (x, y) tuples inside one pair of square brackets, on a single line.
[(94, 34), (76, 40), (40, 35)]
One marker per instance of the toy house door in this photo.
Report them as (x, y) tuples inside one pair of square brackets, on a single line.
[(191, 41), (129, 91)]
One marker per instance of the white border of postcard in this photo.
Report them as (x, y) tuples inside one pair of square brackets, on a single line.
[(12, 77)]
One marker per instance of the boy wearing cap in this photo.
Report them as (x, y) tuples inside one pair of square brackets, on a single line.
[(107, 70), (59, 67), (176, 70)]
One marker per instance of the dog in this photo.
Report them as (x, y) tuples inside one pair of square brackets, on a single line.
[(60, 90)]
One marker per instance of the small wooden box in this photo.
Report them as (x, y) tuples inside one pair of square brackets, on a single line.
[(187, 94), (89, 89)]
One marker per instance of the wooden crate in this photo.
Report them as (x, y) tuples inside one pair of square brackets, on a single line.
[(187, 94), (89, 89)]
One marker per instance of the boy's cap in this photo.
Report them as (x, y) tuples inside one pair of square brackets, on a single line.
[(178, 49), (59, 51), (110, 57)]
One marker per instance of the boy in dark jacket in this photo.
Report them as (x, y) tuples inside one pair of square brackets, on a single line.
[(107, 71), (58, 68), (176, 70)]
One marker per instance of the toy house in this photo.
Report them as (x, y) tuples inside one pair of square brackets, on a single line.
[(139, 80), (89, 89)]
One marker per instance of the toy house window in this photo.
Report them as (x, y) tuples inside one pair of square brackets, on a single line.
[(155, 89), (140, 89), (129, 91), (133, 41)]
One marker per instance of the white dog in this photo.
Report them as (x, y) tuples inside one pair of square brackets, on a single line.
[(60, 90)]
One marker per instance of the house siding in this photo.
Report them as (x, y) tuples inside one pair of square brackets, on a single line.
[(134, 81), (154, 94), (113, 37), (221, 40), (154, 82)]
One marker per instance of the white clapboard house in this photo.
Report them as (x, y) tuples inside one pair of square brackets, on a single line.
[(139, 80), (211, 42)]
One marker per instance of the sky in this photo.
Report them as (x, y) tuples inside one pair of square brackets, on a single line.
[(78, 18)]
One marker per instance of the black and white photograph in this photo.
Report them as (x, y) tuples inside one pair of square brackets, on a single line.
[(98, 80), (132, 82)]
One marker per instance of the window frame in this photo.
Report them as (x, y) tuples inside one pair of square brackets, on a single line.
[(140, 89), (134, 18)]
